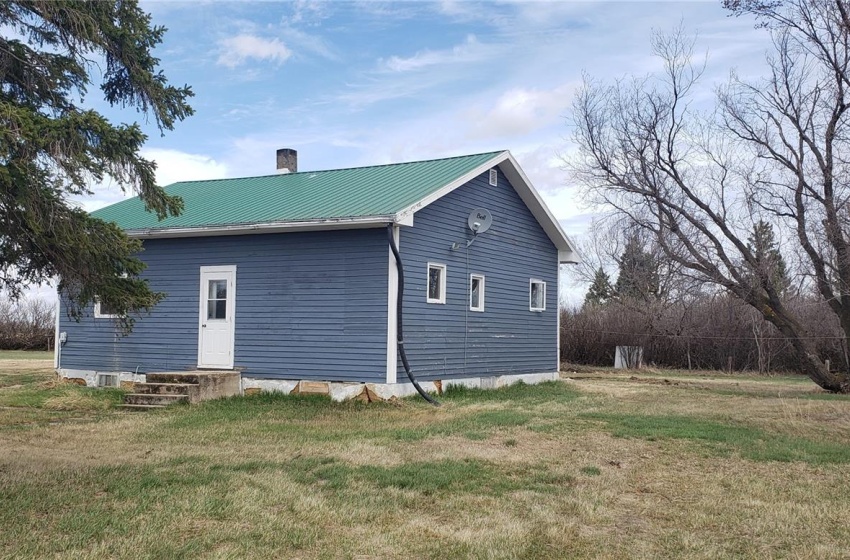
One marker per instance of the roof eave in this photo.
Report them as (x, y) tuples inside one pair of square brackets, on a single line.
[(359, 222)]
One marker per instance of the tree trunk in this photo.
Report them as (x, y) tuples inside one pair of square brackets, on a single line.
[(835, 382), (810, 363)]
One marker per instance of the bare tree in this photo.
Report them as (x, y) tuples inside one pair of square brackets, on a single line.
[(772, 152), (605, 245), (26, 324)]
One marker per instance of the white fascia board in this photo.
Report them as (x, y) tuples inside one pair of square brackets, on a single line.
[(270, 227), (402, 219), (459, 182), (568, 257), (567, 252)]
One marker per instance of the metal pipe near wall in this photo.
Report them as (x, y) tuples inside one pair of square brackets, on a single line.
[(400, 319)]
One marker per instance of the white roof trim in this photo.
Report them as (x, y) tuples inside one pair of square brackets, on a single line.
[(270, 227), (567, 252), (443, 191)]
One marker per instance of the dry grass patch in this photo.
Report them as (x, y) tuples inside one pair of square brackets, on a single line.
[(588, 469), (76, 401), (31, 395), (738, 401)]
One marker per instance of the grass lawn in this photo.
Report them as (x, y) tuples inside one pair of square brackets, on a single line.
[(26, 355), (646, 465)]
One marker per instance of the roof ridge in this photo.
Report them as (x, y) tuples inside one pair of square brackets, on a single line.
[(337, 169)]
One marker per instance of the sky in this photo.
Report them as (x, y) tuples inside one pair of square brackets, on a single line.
[(364, 83)]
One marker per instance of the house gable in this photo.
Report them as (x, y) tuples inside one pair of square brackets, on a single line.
[(510, 169), (450, 340)]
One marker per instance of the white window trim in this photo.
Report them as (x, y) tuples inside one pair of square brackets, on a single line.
[(531, 307), (99, 315), (443, 275), (479, 277), (494, 177)]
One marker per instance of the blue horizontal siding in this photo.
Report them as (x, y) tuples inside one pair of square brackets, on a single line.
[(448, 340), (308, 306)]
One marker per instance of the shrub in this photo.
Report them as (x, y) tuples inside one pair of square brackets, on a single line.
[(702, 333), (26, 325)]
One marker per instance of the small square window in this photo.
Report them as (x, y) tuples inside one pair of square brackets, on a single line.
[(494, 178), (108, 380), (537, 295), (436, 283), (103, 311), (476, 292)]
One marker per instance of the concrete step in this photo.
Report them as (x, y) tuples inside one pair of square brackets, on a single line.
[(183, 378), (211, 384), (165, 388), (148, 399)]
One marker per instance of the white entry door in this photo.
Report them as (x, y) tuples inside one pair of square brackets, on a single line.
[(217, 317)]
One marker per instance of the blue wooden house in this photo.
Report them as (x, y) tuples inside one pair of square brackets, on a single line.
[(290, 278)]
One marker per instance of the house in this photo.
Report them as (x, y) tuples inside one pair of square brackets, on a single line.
[(289, 278)]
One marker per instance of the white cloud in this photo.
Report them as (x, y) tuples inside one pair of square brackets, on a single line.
[(544, 168), (171, 166), (521, 110), (174, 165), (456, 8), (471, 50), (309, 11), (45, 292), (241, 48), (309, 43), (398, 77)]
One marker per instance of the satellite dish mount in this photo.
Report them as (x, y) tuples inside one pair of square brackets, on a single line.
[(479, 221)]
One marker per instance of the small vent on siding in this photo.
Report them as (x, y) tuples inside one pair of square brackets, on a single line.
[(108, 380), (494, 178)]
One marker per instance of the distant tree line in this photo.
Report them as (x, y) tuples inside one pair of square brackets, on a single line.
[(681, 322), (27, 324), (717, 333)]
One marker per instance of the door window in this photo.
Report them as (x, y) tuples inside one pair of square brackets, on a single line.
[(217, 299)]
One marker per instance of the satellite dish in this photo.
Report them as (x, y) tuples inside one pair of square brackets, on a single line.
[(479, 220)]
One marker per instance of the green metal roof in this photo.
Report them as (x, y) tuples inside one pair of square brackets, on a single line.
[(381, 190)]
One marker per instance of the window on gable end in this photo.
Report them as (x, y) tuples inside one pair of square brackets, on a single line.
[(436, 283), (536, 295), (476, 292), (103, 311)]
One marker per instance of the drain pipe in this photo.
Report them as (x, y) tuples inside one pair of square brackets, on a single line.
[(400, 319)]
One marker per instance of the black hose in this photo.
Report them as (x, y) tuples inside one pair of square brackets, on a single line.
[(400, 319)]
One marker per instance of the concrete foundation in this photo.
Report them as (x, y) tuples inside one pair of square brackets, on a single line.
[(337, 391), (89, 377)]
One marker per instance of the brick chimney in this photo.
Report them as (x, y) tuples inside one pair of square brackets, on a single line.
[(287, 161)]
